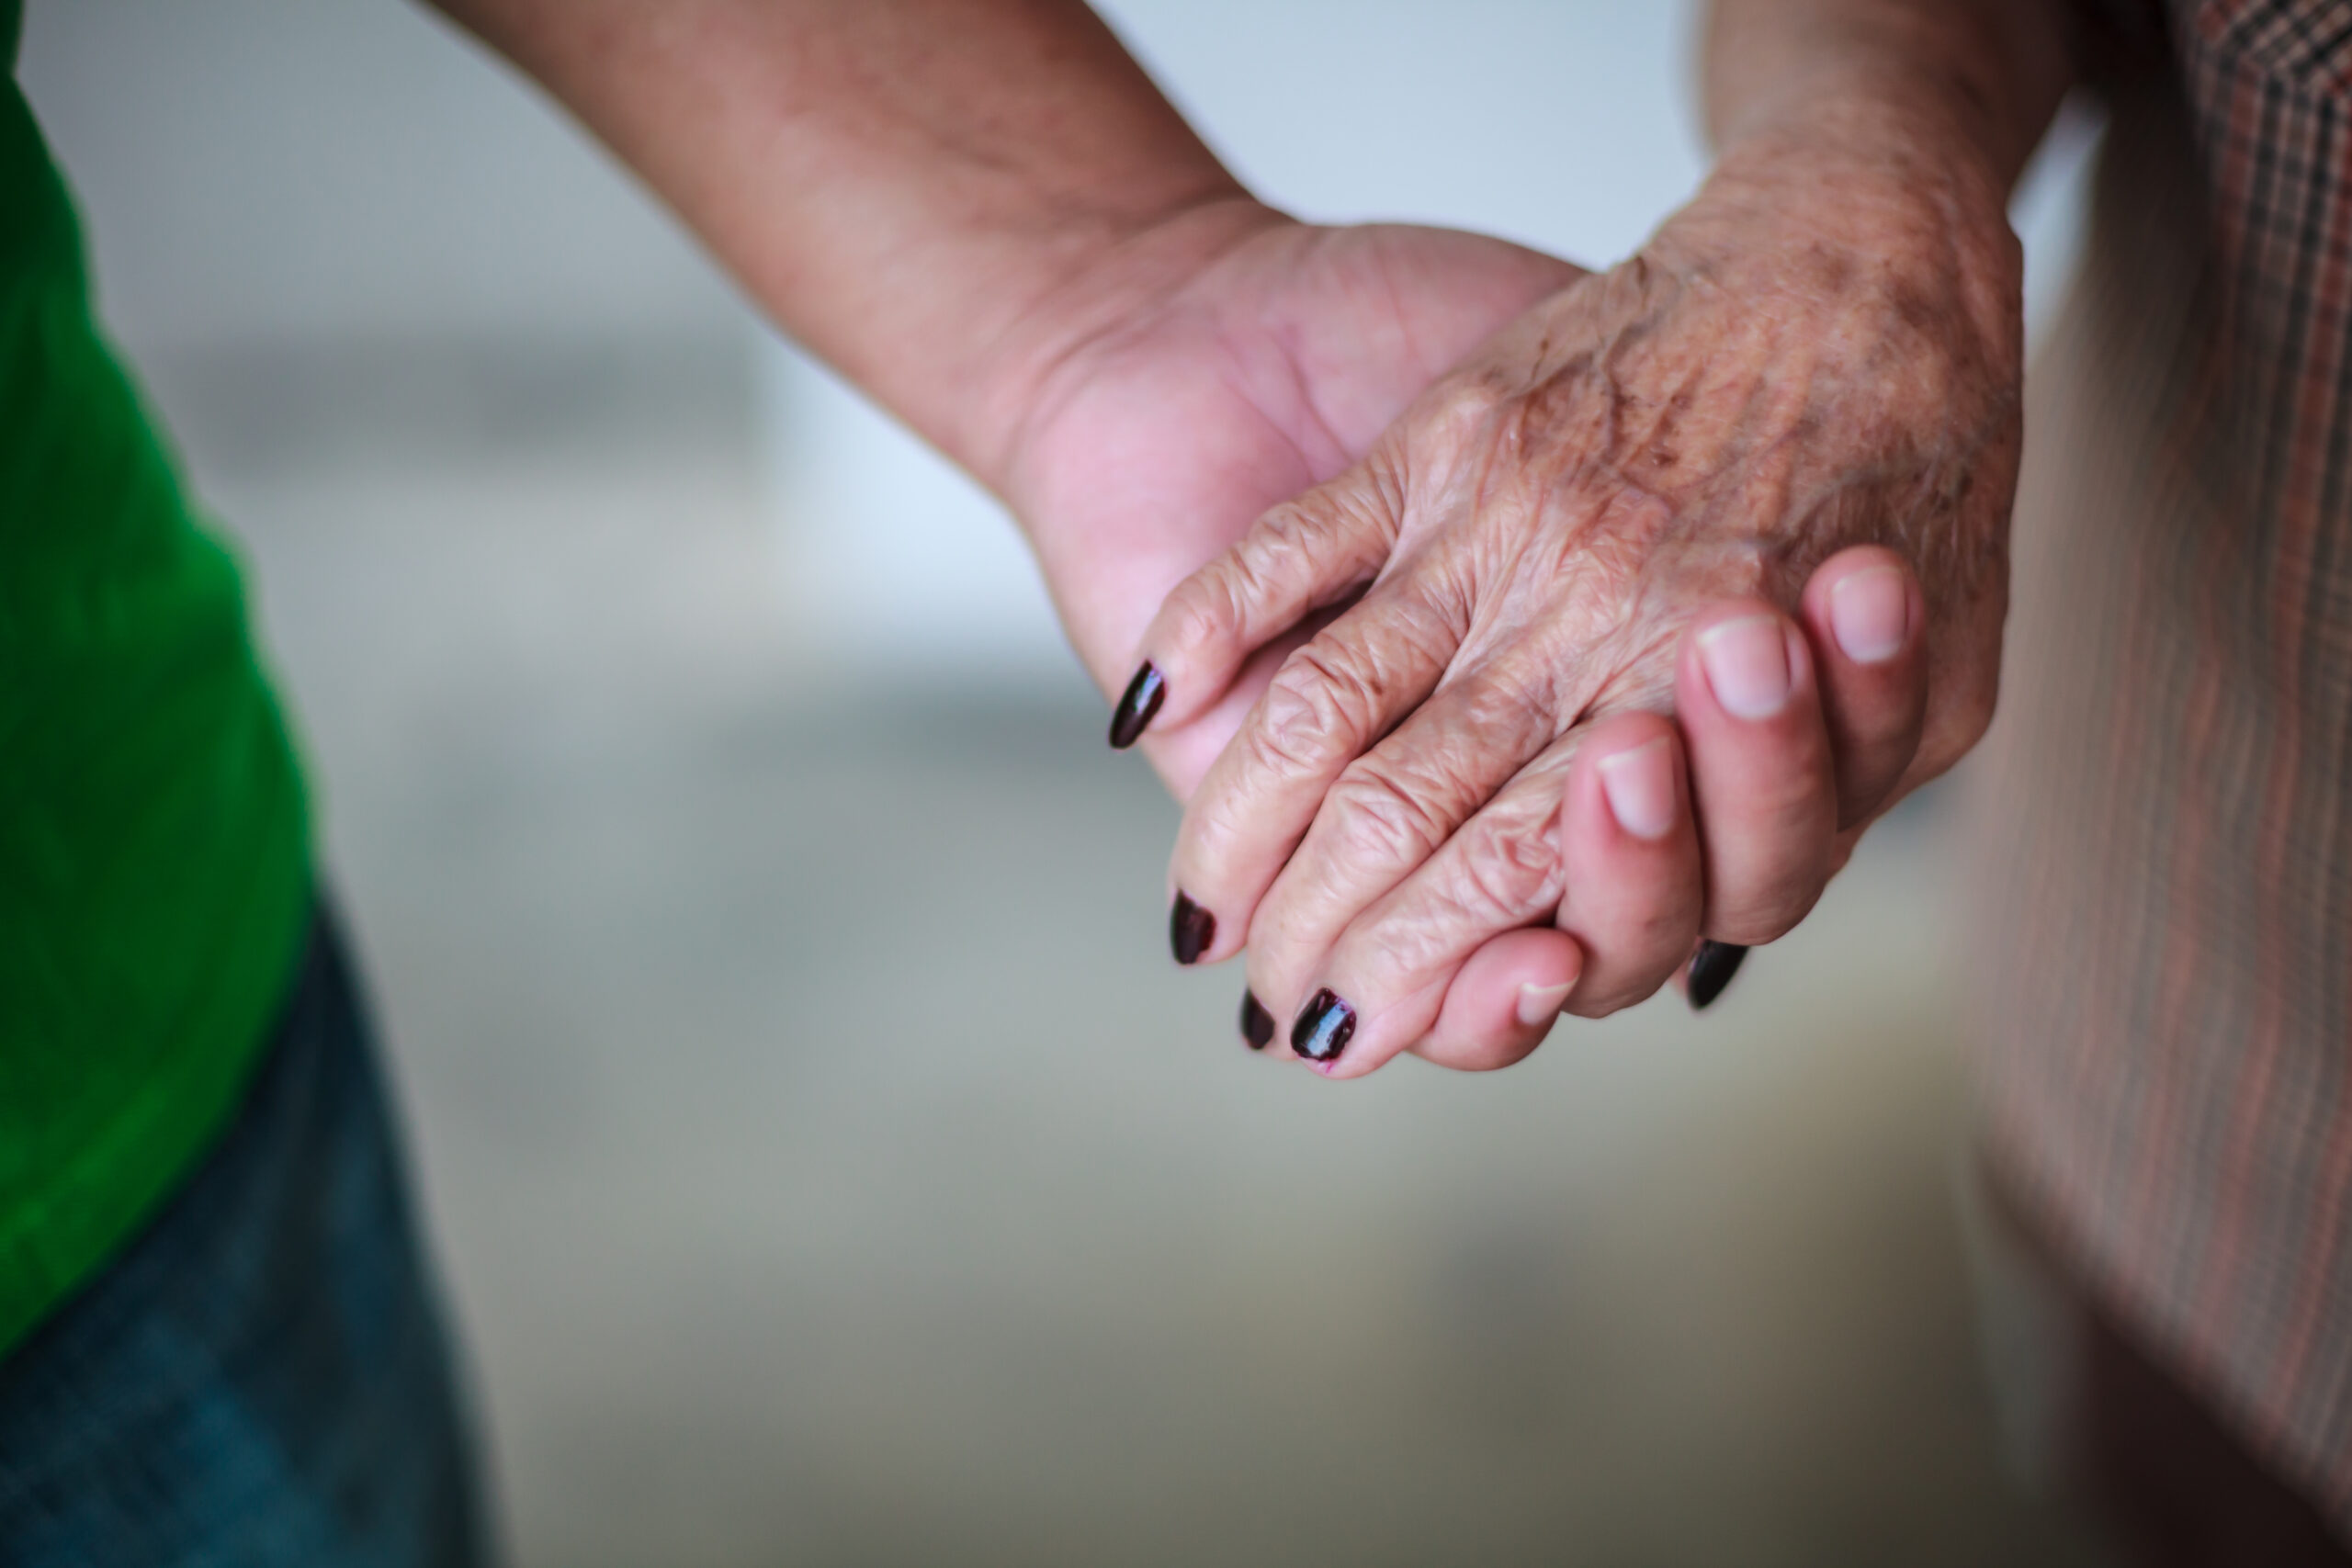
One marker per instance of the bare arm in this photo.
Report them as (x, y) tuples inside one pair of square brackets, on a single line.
[(942, 197), (1976, 78)]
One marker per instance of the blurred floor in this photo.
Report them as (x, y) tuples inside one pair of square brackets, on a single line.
[(831, 1168)]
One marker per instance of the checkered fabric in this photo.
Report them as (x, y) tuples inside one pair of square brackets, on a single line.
[(2165, 975)]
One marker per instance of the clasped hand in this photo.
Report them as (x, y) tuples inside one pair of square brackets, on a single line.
[(1533, 625)]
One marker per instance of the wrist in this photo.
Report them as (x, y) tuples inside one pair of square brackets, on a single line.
[(1901, 141), (1099, 292), (1858, 189), (1979, 80)]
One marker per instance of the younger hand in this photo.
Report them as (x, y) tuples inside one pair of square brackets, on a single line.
[(1644, 794)]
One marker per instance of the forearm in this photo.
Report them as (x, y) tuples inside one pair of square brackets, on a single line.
[(1972, 81), (939, 196), (1867, 150)]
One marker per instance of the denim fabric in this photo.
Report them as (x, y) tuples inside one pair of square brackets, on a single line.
[(262, 1377)]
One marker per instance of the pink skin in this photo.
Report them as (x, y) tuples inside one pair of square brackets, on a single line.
[(1619, 505), (1638, 909), (1284, 362), (1779, 799)]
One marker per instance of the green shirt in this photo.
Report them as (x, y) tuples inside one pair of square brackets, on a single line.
[(154, 878)]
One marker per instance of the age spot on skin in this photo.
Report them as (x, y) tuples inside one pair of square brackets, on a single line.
[(1916, 309), (1832, 269)]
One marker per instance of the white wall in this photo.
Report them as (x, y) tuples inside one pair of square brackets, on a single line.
[(284, 170)]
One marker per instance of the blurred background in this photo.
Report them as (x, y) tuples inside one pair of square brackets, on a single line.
[(828, 1163)]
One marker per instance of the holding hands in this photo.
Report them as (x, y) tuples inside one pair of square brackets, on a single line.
[(1757, 478), (1507, 628)]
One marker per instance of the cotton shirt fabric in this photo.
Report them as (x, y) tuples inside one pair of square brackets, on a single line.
[(2165, 975), (264, 1377), (155, 877)]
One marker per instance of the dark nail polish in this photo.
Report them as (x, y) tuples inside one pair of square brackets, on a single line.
[(1133, 714), (1192, 931), (1712, 969), (1324, 1029), (1256, 1023)]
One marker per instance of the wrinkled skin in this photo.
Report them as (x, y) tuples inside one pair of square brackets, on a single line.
[(1155, 444), (1811, 356)]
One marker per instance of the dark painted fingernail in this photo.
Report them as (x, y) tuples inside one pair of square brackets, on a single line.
[(1324, 1029), (1133, 714), (1256, 1023), (1712, 969), (1192, 931)]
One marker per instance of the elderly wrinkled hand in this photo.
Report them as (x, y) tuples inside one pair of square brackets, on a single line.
[(1758, 477), (1268, 367)]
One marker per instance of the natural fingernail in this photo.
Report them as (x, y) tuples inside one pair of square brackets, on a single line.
[(1256, 1023), (1747, 665), (1639, 786), (1871, 615), (1539, 1005), (1192, 931), (1324, 1027), (1133, 714), (1712, 969)]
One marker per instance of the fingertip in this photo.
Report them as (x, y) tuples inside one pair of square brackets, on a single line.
[(1866, 616), (1869, 604), (1766, 789), (1743, 661), (1147, 693), (1869, 614), (1503, 1000), (1324, 1029), (1710, 970), (1633, 896), (1634, 764), (1539, 1002), (1191, 654), (1191, 929), (1256, 1023), (1295, 561)]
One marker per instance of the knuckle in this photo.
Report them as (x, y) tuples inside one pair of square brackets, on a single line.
[(1766, 807), (1972, 717), (1794, 807), (1346, 518), (1317, 711), (1509, 708), (1614, 555), (1378, 822), (1615, 1000), (1657, 940), (1205, 611), (1280, 747), (1343, 529), (1211, 845), (1455, 410), (1284, 539), (1766, 915), (1956, 721), (1506, 871), (1631, 963)]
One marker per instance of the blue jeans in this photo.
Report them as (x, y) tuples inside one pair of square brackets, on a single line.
[(262, 1377)]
